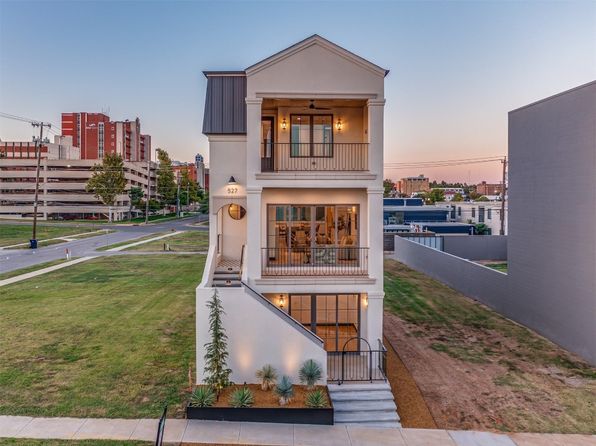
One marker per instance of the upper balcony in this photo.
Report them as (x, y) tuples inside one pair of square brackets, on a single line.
[(323, 135)]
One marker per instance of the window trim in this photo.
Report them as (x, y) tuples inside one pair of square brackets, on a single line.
[(311, 134)]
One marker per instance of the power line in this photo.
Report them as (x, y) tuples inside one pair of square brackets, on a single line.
[(28, 120)]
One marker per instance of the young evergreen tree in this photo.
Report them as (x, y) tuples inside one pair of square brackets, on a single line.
[(166, 181), (217, 373), (108, 180)]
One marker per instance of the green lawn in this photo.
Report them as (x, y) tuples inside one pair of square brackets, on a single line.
[(111, 337), (498, 266), (187, 241), (14, 234), (18, 272), (529, 383)]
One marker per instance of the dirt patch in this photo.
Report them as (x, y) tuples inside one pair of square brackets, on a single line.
[(411, 407), (268, 398), (478, 370)]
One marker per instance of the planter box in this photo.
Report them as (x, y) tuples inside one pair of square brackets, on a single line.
[(262, 414)]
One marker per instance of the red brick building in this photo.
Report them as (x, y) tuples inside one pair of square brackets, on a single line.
[(178, 168), (485, 188), (96, 135)]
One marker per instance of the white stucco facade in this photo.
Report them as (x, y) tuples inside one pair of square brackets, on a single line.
[(312, 231)]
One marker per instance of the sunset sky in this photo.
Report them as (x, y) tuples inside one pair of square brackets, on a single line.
[(457, 68)]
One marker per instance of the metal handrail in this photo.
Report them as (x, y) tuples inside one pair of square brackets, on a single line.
[(161, 427), (325, 156), (305, 331)]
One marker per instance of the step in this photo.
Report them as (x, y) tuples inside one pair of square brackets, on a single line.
[(364, 416), (225, 283), (351, 406), (224, 276), (347, 387), (373, 395), (227, 269)]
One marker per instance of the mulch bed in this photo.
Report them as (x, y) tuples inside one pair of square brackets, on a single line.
[(268, 398), (411, 407)]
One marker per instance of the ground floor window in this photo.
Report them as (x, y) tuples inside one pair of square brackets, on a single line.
[(335, 318)]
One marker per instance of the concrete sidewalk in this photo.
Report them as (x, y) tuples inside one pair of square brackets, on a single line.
[(222, 432), (41, 271)]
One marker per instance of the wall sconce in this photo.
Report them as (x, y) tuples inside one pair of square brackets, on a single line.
[(282, 302), (232, 185), (365, 300), (338, 125), (284, 124)]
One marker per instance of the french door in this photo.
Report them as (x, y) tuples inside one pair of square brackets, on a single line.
[(335, 318)]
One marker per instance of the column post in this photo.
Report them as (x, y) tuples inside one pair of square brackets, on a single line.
[(253, 139)]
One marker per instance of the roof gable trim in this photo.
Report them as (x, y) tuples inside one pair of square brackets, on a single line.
[(307, 43)]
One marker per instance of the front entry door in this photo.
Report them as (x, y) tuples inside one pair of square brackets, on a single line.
[(335, 318), (267, 144)]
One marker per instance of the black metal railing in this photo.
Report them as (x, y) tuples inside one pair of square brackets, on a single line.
[(161, 427), (359, 364), (315, 261), (280, 157)]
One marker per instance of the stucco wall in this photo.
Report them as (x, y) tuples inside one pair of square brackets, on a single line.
[(256, 336), (476, 247), (552, 210)]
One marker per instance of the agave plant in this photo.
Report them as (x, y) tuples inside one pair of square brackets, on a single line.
[(310, 373), (268, 376), (242, 397), (316, 399), (202, 396), (285, 390)]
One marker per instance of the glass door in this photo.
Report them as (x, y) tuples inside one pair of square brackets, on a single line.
[(267, 144)]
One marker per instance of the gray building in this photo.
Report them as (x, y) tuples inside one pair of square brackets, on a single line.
[(552, 255)]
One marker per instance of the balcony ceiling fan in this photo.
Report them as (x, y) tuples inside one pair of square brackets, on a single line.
[(312, 106)]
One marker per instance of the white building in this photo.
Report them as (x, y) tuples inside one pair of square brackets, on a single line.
[(296, 202), (200, 166), (476, 212)]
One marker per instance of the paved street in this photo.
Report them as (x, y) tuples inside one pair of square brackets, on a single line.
[(13, 259)]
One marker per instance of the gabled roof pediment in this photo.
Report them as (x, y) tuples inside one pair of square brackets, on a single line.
[(315, 40)]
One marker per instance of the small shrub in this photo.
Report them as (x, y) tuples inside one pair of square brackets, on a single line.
[(310, 373), (202, 396), (268, 376), (242, 398), (316, 399), (285, 390)]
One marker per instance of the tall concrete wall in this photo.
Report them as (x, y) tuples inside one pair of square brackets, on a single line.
[(476, 247), (552, 212), (479, 282)]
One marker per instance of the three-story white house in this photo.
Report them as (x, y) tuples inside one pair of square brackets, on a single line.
[(296, 212)]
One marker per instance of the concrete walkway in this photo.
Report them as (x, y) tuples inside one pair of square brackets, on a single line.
[(130, 245), (41, 271), (222, 432)]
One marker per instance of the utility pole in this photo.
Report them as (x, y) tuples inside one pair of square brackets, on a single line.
[(503, 195), (178, 199), (148, 188), (41, 125)]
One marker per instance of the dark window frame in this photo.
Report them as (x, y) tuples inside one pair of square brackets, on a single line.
[(311, 134)]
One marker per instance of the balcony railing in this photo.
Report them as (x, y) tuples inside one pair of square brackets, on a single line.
[(315, 261), (290, 157)]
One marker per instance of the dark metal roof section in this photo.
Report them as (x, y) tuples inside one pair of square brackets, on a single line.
[(225, 109)]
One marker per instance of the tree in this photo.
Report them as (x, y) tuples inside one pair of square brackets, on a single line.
[(387, 187), (482, 198), (473, 195), (136, 198), (482, 229), (204, 202), (108, 180), (457, 197), (217, 373), (166, 182), (189, 188), (434, 196)]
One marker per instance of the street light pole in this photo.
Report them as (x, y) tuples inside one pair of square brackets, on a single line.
[(148, 188)]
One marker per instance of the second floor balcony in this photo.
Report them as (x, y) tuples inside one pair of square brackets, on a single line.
[(304, 157)]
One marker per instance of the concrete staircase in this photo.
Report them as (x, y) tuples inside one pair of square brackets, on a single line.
[(364, 404), (227, 274)]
